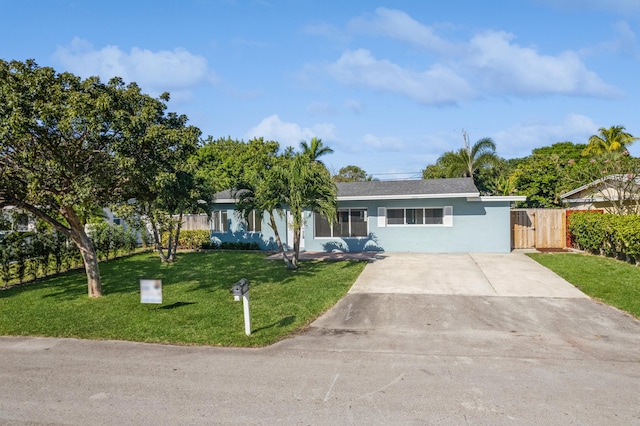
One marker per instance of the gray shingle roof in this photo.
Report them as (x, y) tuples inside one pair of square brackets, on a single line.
[(406, 188), (388, 189)]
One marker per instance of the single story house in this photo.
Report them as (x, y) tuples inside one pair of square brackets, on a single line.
[(612, 193), (431, 216)]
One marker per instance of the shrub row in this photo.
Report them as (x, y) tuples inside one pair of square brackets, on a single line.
[(112, 240), (231, 246), (607, 234), (29, 255), (190, 240), (201, 240)]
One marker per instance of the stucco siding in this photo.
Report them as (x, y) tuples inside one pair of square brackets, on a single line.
[(476, 227), (237, 232)]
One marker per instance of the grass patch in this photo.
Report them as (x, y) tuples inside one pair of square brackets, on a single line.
[(611, 281), (197, 308)]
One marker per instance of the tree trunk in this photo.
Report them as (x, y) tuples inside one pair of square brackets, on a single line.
[(273, 225), (157, 240), (90, 260), (296, 248), (172, 250)]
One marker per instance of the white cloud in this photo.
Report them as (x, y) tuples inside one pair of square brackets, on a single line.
[(437, 85), (400, 26), (290, 134), (489, 64), (505, 68), (624, 41), (520, 139), (156, 72)]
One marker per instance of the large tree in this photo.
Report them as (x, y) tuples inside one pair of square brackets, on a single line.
[(352, 173), (165, 185), (224, 163), (69, 145), (466, 162), (613, 139)]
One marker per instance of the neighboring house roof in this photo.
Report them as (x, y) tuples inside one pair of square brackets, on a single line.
[(597, 188)]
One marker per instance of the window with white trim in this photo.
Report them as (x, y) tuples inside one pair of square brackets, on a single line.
[(416, 216), (349, 223), (253, 222), (219, 221)]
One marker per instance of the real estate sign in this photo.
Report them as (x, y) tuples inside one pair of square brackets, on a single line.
[(150, 291)]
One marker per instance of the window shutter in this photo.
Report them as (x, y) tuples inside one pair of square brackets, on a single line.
[(382, 220), (447, 220)]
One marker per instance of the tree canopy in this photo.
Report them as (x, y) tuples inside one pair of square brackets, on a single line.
[(69, 145), (315, 149), (612, 139), (351, 173), (466, 162)]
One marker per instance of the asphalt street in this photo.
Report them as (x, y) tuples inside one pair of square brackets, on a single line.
[(436, 354)]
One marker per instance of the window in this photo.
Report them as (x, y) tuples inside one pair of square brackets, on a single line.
[(254, 222), (219, 221), (22, 222), (348, 223), (426, 216)]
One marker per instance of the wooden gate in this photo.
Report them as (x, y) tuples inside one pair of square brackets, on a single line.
[(538, 228)]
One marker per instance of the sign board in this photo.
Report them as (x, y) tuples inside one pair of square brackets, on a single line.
[(150, 291)]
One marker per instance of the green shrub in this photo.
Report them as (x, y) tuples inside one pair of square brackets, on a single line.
[(225, 245), (607, 234)]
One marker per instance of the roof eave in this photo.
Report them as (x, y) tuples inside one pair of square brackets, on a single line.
[(404, 197), (498, 198)]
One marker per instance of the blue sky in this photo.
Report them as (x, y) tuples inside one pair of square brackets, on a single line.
[(389, 86)]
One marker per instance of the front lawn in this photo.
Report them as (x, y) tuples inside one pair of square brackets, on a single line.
[(612, 281), (197, 307)]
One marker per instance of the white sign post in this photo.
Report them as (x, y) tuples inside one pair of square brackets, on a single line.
[(241, 289), (247, 316), (150, 291)]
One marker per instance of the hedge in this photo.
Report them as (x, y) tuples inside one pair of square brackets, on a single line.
[(201, 240), (29, 255), (607, 234)]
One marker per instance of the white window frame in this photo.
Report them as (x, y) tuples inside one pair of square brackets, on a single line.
[(220, 221), (447, 216), (253, 218), (348, 210)]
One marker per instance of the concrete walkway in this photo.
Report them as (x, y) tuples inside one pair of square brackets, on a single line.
[(504, 275)]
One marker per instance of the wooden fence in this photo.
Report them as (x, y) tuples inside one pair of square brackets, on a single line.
[(538, 228), (195, 222)]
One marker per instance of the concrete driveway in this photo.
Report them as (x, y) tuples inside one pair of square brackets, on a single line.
[(472, 304), (505, 275)]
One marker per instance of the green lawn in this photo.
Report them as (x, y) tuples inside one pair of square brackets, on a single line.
[(197, 308), (611, 281)]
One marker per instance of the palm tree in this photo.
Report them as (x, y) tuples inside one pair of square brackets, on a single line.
[(613, 139), (468, 160), (315, 149)]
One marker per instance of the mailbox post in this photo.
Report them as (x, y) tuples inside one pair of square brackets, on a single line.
[(241, 289)]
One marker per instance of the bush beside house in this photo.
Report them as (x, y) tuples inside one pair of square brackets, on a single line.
[(607, 234)]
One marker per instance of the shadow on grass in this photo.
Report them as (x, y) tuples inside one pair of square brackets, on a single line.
[(177, 305)]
